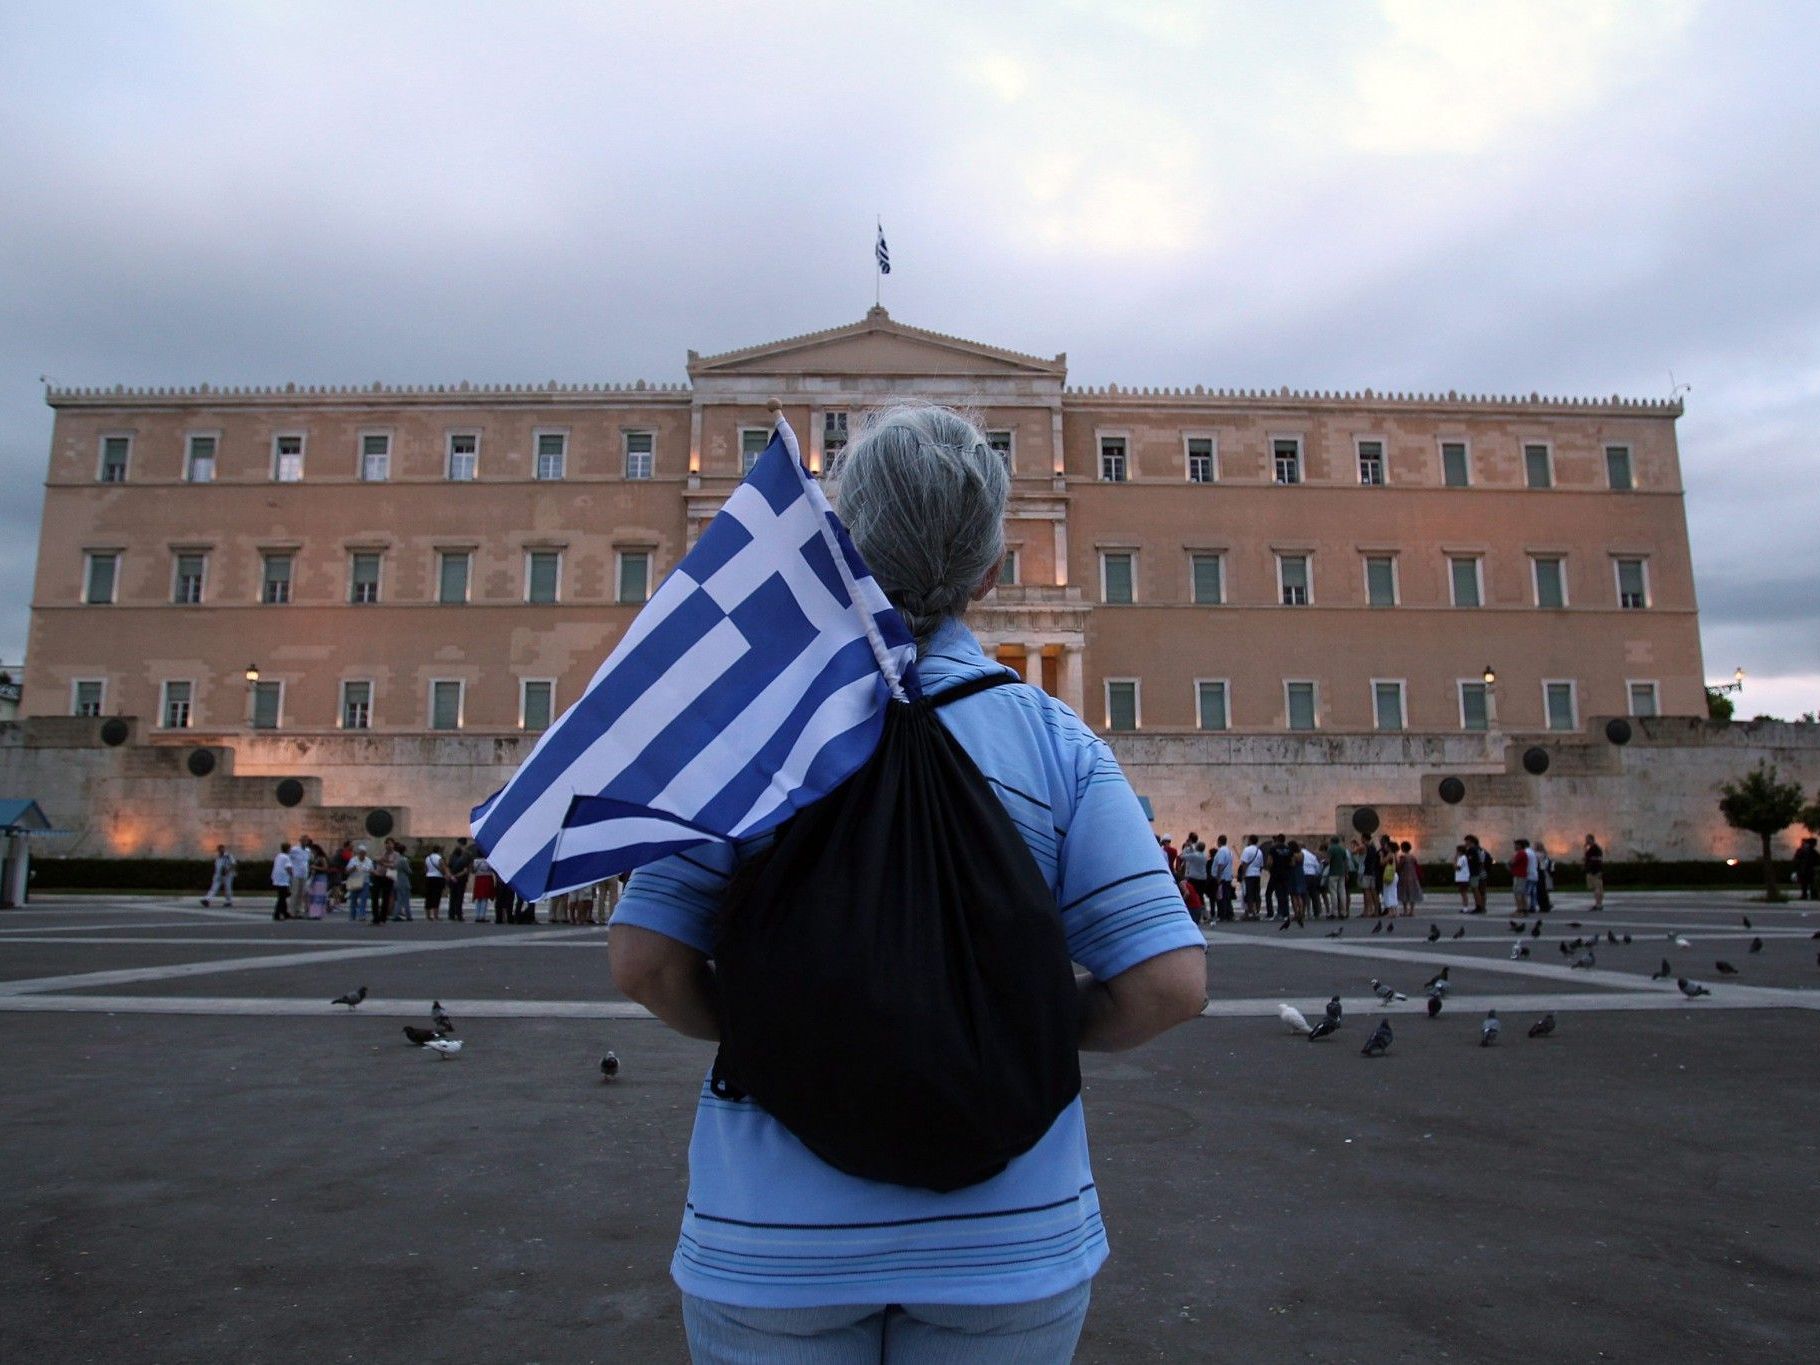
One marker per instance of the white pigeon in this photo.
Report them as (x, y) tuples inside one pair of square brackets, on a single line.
[(447, 1047), (1518, 950), (1681, 942), (1292, 1019)]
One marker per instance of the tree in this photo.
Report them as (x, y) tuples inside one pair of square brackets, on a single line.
[(1765, 807), (1718, 705)]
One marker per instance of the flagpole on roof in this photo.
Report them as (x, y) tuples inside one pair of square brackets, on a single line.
[(878, 274)]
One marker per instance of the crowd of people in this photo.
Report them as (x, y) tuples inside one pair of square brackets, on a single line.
[(380, 887), (1286, 879)]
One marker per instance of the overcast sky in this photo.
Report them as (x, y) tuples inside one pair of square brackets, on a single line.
[(1506, 195)]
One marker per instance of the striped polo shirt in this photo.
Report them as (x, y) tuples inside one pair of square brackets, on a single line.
[(770, 1225)]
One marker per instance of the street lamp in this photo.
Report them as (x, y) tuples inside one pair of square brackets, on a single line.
[(1735, 685), (252, 693), (1491, 676), (252, 674), (1491, 697)]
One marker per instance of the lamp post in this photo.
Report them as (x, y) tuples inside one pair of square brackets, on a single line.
[(1491, 697), (252, 695), (1735, 685)]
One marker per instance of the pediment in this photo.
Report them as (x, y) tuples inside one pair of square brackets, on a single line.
[(875, 346)]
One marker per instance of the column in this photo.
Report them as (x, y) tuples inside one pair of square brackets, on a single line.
[(1033, 665), (1072, 683)]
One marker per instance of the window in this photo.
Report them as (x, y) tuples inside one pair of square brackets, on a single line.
[(357, 705), (639, 458), (552, 454), (1116, 577), (464, 456), (1455, 471), (87, 696), (114, 453), (1121, 703), (1210, 709), (1292, 579), (199, 462), (1371, 463), (268, 704), (287, 458), (1558, 705), (1633, 585), (634, 575), (1114, 464), (376, 456), (1538, 468), (174, 707), (1617, 468), (1643, 699), (834, 435), (276, 580), (1387, 705), (1200, 459), (103, 571), (445, 704), (1001, 442), (536, 703), (454, 569), (1298, 704), (1007, 573), (543, 569), (752, 443), (363, 578), (1463, 570), (1286, 451), (1551, 581), (1381, 580), (1205, 580), (1475, 706), (187, 589)]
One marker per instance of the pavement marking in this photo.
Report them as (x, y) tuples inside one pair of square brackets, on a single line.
[(93, 928), (205, 942)]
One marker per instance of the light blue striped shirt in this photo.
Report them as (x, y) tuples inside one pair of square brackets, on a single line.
[(770, 1225)]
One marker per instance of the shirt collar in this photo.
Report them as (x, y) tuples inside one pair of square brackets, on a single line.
[(954, 656)]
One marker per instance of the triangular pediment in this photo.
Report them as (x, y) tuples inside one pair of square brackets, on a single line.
[(875, 346)]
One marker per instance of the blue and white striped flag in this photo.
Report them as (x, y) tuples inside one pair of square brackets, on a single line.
[(883, 252), (752, 683)]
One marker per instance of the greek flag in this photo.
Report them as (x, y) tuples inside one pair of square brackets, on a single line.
[(752, 683), (883, 252)]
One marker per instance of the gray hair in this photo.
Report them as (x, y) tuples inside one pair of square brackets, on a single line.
[(923, 497)]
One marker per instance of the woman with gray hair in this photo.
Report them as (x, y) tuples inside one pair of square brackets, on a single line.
[(785, 1257)]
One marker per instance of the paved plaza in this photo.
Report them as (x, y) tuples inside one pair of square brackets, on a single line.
[(206, 1161)]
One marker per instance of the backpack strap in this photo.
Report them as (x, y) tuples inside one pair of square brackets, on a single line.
[(971, 686)]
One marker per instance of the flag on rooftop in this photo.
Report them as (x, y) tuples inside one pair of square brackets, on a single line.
[(752, 684), (883, 252)]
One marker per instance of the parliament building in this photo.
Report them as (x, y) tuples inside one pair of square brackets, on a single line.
[(279, 572)]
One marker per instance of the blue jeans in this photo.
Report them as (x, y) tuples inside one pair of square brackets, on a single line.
[(1040, 1332), (357, 903)]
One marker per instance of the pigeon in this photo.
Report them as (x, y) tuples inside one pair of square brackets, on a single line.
[(1378, 928), (1379, 1042), (1391, 928), (1434, 1005), (1518, 950), (1815, 934), (1584, 960), (419, 1036), (440, 1017), (1516, 926), (1292, 1018), (1337, 932), (1746, 919), (1725, 968), (1543, 1026), (1756, 945), (445, 1047), (1535, 930), (1610, 937), (1460, 932), (1334, 1011), (1488, 1031), (1663, 972), (1566, 947), (1283, 927), (1385, 993), (1681, 942), (1438, 977), (1434, 933), (1693, 990), (1573, 924), (609, 1067), (351, 999), (1627, 940), (1323, 1028)]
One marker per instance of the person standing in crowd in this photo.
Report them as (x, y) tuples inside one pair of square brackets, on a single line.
[(434, 878), (1391, 902), (1807, 864), (1542, 873), (358, 881), (1594, 859), (1225, 873), (401, 882), (1480, 863), (1372, 871), (300, 872), (505, 902), (319, 882), (222, 883), (1251, 868), (1519, 876), (482, 871), (461, 863), (1339, 878), (281, 881), (382, 884), (1462, 878), (1409, 878), (1194, 872), (1314, 881), (1278, 862)]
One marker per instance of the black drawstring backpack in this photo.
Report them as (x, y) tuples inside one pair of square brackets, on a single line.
[(894, 985)]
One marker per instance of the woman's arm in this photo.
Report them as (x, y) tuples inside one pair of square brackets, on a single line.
[(667, 977), (1128, 1010)]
